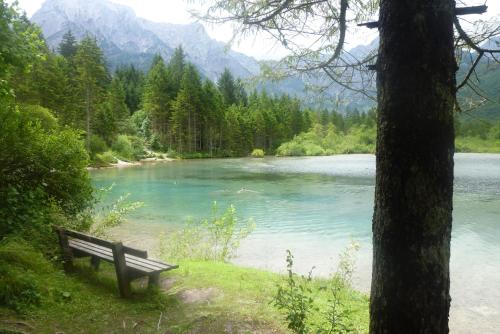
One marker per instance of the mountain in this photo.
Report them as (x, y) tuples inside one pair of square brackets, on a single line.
[(126, 38)]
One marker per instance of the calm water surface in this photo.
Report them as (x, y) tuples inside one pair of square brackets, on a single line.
[(314, 206)]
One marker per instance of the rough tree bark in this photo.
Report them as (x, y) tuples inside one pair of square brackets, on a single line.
[(414, 182)]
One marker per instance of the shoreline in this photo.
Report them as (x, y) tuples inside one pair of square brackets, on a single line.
[(126, 164)]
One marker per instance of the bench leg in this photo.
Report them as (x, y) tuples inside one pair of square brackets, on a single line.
[(121, 269), (94, 262), (124, 285), (67, 254), (154, 280)]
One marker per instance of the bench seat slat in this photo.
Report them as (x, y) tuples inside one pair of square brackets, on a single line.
[(108, 256), (152, 264), (144, 265)]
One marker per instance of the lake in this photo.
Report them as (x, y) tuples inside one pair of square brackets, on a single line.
[(315, 206)]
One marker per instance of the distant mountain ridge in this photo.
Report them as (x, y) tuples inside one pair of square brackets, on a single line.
[(127, 38)]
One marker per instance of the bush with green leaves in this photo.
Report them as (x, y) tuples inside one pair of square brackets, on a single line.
[(217, 238), (111, 215), (295, 297), (327, 140), (97, 146), (138, 144), (258, 153), (123, 147), (44, 175), (298, 298), (38, 114), (105, 159)]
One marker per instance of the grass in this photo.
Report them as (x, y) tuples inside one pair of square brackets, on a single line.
[(477, 145), (199, 297)]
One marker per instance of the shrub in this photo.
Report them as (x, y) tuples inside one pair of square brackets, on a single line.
[(123, 147), (112, 215), (295, 298), (44, 175), (304, 312), (291, 149), (137, 143), (258, 153), (155, 143), (313, 149), (36, 113), (105, 159), (97, 145), (217, 238)]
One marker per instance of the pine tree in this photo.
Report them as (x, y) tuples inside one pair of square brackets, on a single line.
[(212, 117), (227, 87), (157, 97), (187, 110), (133, 83), (176, 67), (112, 114), (68, 46), (92, 78)]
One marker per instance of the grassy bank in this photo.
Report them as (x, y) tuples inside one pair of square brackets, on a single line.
[(477, 145), (199, 297)]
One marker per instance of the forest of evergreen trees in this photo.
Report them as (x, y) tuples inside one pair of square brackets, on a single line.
[(172, 108)]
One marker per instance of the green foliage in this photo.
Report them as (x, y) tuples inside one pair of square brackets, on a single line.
[(104, 159), (44, 174), (39, 114), (258, 153), (217, 238), (477, 135), (306, 310), (68, 45), (295, 297), (20, 44), (123, 147), (113, 214), (97, 146), (19, 263), (132, 81), (327, 140)]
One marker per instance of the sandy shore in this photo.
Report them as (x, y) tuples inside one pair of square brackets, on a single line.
[(124, 164)]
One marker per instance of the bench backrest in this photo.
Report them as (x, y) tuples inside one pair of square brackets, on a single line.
[(101, 242)]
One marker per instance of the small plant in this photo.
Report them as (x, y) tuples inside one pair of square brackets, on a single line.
[(304, 312), (105, 159), (258, 153), (217, 238), (295, 298), (113, 214)]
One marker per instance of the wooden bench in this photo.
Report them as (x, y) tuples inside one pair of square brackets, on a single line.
[(130, 263)]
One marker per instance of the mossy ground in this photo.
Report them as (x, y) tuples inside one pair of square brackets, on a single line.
[(199, 297)]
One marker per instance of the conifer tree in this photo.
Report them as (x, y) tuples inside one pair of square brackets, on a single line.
[(132, 80), (157, 98), (227, 87), (176, 67), (212, 116), (92, 76), (187, 110), (68, 46)]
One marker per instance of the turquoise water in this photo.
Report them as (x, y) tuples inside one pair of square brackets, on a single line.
[(314, 206)]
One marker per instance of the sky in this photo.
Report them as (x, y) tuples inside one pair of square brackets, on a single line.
[(260, 46)]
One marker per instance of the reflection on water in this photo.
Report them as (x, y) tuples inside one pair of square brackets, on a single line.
[(314, 206)]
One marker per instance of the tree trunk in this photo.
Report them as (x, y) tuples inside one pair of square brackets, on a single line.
[(414, 181), (87, 116)]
